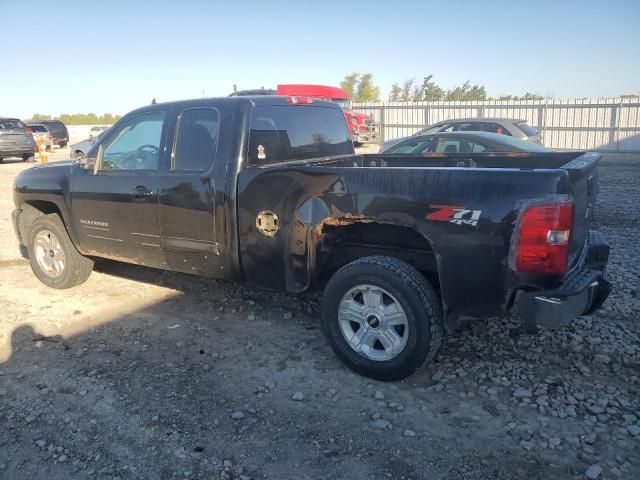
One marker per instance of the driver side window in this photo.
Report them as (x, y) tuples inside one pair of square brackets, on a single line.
[(135, 145)]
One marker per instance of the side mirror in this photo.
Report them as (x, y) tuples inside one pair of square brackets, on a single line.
[(86, 162)]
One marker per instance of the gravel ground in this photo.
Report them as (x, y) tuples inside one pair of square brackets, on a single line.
[(142, 374)]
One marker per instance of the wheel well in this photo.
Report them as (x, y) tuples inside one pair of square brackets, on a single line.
[(42, 206), (343, 244), (32, 209)]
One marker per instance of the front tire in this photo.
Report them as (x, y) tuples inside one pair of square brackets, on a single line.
[(381, 317), (53, 257)]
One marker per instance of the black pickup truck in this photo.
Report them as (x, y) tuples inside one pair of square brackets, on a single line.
[(267, 190)]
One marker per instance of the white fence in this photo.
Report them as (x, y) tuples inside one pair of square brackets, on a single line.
[(603, 124)]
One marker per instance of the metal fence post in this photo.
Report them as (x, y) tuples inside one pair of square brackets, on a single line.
[(613, 127), (382, 127), (542, 111)]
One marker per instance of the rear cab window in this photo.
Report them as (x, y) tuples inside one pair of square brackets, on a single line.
[(38, 128), (279, 133)]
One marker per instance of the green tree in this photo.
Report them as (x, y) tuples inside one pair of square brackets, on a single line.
[(396, 93), (431, 92), (37, 117), (349, 83), (367, 91), (466, 93), (407, 90)]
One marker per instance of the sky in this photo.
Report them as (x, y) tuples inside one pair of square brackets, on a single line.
[(113, 56)]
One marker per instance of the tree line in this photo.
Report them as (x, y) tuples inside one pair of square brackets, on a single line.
[(361, 88), (78, 118)]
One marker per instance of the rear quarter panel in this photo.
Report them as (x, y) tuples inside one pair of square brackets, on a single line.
[(472, 257)]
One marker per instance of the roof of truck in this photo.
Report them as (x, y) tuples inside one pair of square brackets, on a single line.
[(313, 91)]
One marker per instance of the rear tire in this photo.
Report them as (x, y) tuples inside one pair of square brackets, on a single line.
[(53, 257), (28, 158), (397, 309)]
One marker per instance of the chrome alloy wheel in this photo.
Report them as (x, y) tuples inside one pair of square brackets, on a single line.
[(373, 322), (49, 253)]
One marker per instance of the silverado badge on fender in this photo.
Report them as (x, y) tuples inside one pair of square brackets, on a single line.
[(454, 214)]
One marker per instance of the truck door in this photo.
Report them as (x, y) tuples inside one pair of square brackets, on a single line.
[(115, 203), (189, 235)]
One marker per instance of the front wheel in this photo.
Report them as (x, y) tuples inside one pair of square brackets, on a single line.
[(382, 318), (53, 257)]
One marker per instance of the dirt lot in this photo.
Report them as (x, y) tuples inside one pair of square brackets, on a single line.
[(142, 374)]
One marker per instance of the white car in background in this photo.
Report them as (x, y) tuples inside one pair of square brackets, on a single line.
[(96, 131), (80, 149)]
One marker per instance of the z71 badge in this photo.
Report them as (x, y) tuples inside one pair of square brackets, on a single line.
[(454, 214)]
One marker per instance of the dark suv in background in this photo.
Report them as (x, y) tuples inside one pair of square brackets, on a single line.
[(16, 140), (59, 132)]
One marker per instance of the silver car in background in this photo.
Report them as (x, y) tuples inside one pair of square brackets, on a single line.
[(503, 126)]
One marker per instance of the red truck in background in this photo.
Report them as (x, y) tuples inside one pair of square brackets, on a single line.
[(363, 128)]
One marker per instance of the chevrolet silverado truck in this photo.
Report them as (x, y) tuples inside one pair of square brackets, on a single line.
[(267, 190)]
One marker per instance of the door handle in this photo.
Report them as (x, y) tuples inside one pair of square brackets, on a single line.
[(141, 192)]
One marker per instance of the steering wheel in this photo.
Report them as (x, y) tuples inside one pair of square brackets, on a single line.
[(137, 160)]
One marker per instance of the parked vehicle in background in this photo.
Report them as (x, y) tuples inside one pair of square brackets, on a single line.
[(41, 133), (268, 190), (59, 132), (363, 128), (94, 132), (502, 126), (462, 142), (80, 149), (16, 140)]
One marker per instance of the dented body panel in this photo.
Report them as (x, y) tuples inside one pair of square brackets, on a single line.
[(290, 225)]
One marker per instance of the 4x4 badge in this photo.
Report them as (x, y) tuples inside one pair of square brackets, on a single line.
[(454, 214)]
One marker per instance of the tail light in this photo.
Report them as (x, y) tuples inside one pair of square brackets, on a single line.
[(299, 100), (543, 239), (50, 137), (354, 120), (28, 130)]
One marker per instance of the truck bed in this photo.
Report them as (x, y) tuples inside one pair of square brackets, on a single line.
[(519, 160)]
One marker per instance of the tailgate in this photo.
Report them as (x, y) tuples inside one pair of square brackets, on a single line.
[(583, 175)]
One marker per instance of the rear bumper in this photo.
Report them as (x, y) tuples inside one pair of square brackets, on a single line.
[(582, 291), (16, 151)]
